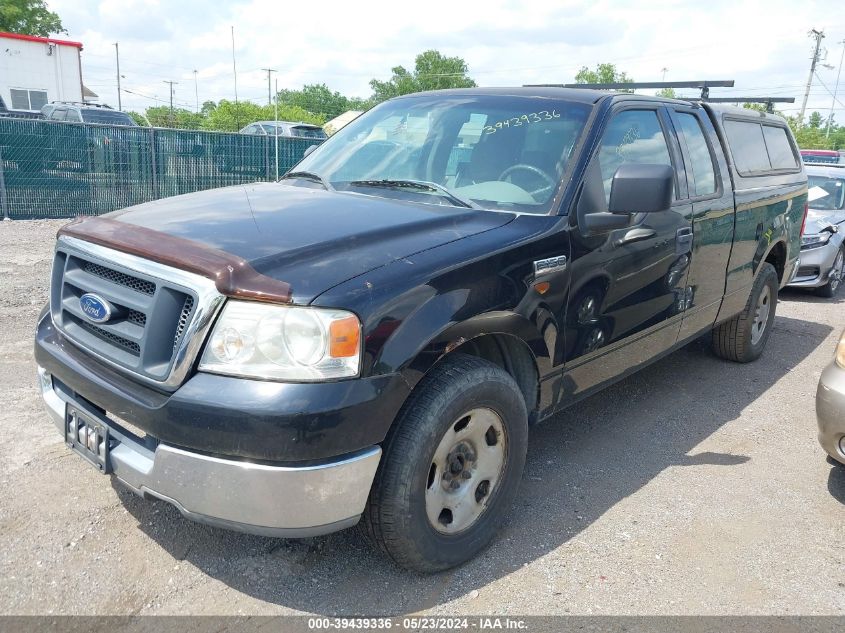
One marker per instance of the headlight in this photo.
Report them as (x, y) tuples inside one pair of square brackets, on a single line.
[(815, 240), (840, 352), (274, 342)]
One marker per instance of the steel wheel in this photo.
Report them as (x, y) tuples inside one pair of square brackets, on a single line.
[(761, 315), (465, 470)]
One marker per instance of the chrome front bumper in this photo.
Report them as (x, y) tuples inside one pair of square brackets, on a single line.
[(280, 501)]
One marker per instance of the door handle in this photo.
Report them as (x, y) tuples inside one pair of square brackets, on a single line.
[(683, 240), (635, 235)]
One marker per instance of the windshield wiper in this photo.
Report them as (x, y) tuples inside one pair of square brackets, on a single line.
[(309, 175), (419, 185)]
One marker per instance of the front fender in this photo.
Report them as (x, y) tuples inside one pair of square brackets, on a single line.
[(414, 356)]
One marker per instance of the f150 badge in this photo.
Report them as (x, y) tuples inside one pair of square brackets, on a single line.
[(550, 265), (95, 308)]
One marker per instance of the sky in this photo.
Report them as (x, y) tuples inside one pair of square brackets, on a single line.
[(763, 45)]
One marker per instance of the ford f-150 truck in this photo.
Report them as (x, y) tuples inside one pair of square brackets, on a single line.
[(370, 338)]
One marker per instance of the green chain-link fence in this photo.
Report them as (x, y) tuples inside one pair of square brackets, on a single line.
[(56, 170)]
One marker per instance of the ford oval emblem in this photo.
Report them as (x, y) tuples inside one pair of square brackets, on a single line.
[(95, 308)]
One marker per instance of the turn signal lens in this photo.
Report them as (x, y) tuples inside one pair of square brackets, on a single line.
[(840, 352), (345, 335)]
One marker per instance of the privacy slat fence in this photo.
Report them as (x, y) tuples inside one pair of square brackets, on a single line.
[(57, 170)]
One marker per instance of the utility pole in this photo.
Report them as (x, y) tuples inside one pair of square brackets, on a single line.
[(819, 35), (269, 70), (171, 98), (835, 90), (196, 92), (235, 72), (117, 57), (275, 130)]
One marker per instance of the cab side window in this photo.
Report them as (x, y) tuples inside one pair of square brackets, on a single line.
[(633, 136), (700, 171)]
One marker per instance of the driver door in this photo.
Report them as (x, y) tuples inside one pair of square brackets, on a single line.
[(628, 286)]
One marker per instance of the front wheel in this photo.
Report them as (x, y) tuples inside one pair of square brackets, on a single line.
[(451, 466), (835, 276)]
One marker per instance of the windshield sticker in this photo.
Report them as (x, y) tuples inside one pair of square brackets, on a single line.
[(519, 121)]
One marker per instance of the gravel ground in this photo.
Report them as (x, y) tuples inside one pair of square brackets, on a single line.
[(694, 487)]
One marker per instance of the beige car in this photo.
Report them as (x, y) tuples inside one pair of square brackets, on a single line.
[(830, 405)]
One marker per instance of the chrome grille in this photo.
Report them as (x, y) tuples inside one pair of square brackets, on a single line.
[(150, 314)]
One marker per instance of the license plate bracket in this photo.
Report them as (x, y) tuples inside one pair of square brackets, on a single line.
[(88, 437)]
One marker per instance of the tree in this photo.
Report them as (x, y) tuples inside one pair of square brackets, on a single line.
[(139, 118), (228, 116), (319, 99), (666, 93), (603, 74), (207, 107), (180, 118), (29, 17), (432, 71)]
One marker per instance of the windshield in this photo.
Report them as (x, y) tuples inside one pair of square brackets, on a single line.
[(499, 152), (826, 194), (106, 117)]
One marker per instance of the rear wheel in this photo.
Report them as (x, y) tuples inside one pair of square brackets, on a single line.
[(451, 466), (834, 276), (743, 338)]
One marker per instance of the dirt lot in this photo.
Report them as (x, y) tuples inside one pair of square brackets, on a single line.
[(694, 487)]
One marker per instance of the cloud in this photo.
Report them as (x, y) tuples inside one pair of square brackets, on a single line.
[(763, 45)]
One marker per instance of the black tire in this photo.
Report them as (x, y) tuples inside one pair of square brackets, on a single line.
[(734, 339), (830, 289), (395, 518)]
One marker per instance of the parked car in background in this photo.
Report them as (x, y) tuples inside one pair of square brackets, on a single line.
[(91, 137), (830, 405), (822, 260), (72, 112), (285, 129), (822, 157)]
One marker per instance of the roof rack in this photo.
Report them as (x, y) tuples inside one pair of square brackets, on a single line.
[(769, 101), (704, 85), (85, 104)]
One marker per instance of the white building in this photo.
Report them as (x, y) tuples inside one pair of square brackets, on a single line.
[(38, 70)]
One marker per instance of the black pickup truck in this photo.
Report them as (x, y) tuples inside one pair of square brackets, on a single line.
[(371, 337)]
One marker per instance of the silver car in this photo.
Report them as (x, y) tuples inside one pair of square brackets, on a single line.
[(830, 405), (285, 129), (822, 259)]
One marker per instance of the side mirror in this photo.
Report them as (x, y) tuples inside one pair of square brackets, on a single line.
[(308, 150), (641, 188)]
